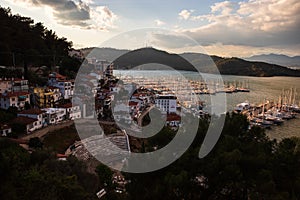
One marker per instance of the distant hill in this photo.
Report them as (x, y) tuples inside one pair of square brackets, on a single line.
[(125, 59), (278, 59), (103, 53)]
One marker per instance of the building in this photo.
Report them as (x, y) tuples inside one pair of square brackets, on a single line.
[(5, 85), (109, 71), (5, 129), (103, 67), (166, 103), (66, 87), (54, 115), (13, 85), (46, 97), (19, 85), (36, 114), (14, 99), (72, 111), (173, 120), (30, 124)]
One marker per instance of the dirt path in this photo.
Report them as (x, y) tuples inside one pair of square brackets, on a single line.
[(140, 119), (44, 131)]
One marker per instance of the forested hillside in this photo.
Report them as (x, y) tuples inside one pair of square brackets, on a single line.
[(25, 43)]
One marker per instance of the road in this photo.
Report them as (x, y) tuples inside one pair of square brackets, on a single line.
[(44, 131), (144, 113)]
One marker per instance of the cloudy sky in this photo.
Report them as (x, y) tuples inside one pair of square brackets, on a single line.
[(225, 28)]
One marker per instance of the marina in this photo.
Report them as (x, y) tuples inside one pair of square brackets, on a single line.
[(261, 89)]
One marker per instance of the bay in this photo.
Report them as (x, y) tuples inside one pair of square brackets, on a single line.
[(261, 88)]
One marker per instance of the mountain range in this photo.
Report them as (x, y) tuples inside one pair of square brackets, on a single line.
[(126, 59), (278, 59)]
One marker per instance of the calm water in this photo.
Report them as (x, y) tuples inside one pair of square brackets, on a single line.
[(261, 88), (269, 88)]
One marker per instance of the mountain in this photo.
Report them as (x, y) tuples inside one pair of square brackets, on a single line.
[(103, 53), (278, 59), (125, 59)]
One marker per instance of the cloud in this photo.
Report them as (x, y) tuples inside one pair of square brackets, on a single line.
[(185, 14), (225, 7), (256, 23), (170, 40), (159, 22), (103, 17), (78, 13)]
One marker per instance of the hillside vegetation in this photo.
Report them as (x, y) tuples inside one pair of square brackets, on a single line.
[(125, 59)]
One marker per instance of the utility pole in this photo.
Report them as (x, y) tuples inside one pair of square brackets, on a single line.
[(13, 59)]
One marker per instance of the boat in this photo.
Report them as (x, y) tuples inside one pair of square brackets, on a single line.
[(275, 120), (242, 107)]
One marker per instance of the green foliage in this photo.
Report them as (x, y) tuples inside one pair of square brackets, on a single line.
[(59, 140), (162, 138), (104, 174), (35, 143), (40, 176), (244, 164), (18, 128), (25, 43), (203, 62), (6, 116)]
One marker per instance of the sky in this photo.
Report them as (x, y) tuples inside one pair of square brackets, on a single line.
[(233, 28)]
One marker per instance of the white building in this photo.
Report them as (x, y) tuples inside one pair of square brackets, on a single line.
[(65, 86), (13, 85), (14, 99), (5, 129), (55, 115), (34, 113), (166, 103), (72, 111), (29, 123), (19, 85), (173, 120)]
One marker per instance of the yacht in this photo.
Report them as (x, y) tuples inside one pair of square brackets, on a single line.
[(242, 106)]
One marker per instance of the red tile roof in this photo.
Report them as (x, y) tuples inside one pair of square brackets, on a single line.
[(23, 120), (52, 87), (12, 79), (13, 94), (33, 111), (67, 105), (58, 76), (173, 117), (132, 103), (4, 126)]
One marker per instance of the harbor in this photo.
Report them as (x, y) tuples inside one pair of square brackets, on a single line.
[(270, 113), (261, 89)]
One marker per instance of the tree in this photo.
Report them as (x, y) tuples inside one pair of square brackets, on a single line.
[(18, 128), (104, 174), (35, 143)]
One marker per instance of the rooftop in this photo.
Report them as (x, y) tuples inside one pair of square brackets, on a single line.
[(13, 94), (173, 117), (23, 120), (66, 105), (33, 111), (4, 126), (57, 76)]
